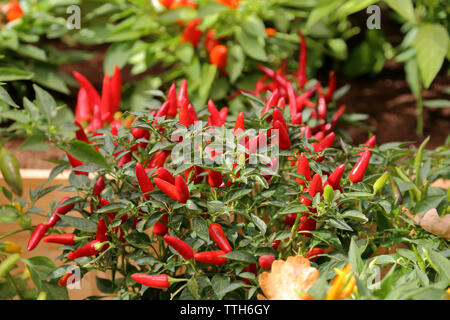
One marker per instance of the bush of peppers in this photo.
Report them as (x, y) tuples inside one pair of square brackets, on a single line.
[(205, 230)]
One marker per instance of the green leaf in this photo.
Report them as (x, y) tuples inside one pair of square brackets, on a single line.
[(355, 215), (4, 96), (253, 46), (117, 54), (11, 74), (192, 285), (354, 256), (404, 8), (340, 224), (321, 11), (254, 26), (138, 239), (82, 224), (201, 228), (40, 268), (50, 78), (237, 194), (328, 237), (86, 153), (413, 77), (45, 103), (240, 256), (182, 13), (259, 223), (105, 285), (440, 262), (235, 62), (431, 44), (437, 103)]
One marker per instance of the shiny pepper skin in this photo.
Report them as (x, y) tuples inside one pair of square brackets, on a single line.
[(160, 281), (218, 236), (99, 186), (87, 250), (211, 257), (66, 239), (218, 56), (54, 218), (303, 169), (36, 236), (265, 261), (358, 171), (160, 227), (180, 246)]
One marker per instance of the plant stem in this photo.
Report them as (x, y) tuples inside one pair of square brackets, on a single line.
[(14, 232), (419, 112)]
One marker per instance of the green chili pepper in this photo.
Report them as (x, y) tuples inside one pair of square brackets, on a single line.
[(381, 181), (9, 166), (8, 263), (328, 194), (418, 159)]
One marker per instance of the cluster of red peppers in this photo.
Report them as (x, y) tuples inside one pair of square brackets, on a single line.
[(177, 188)]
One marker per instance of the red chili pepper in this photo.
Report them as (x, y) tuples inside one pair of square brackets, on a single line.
[(278, 116), (74, 162), (218, 56), (124, 160), (311, 254), (172, 99), (80, 134), (86, 250), (297, 119), (116, 92), (158, 159), (371, 142), (319, 136), (253, 268), (83, 112), (301, 73), (180, 246), (335, 177), (14, 11), (322, 107), (315, 186), (163, 110), (165, 174), (292, 100), (306, 131), (166, 187), (159, 228), (66, 239), (62, 282), (215, 178), (290, 218), (358, 171), (276, 244), (144, 181), (274, 75), (182, 189), (326, 142), (138, 133), (214, 118), (191, 33), (62, 210), (106, 100), (218, 236), (36, 236), (272, 101), (102, 232), (303, 169), (331, 86), (223, 113), (184, 117), (93, 96), (284, 140), (160, 281), (265, 261), (306, 223), (211, 257), (99, 186), (166, 3), (197, 171), (182, 93), (239, 126)]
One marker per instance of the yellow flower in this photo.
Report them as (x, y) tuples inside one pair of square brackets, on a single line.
[(288, 280), (11, 247), (342, 285), (19, 208), (26, 274)]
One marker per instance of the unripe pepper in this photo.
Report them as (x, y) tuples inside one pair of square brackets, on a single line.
[(89, 249), (328, 194), (357, 173), (211, 257), (36, 236), (8, 263), (381, 181), (10, 168), (265, 261), (180, 246), (218, 236), (66, 239), (160, 281), (62, 210)]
